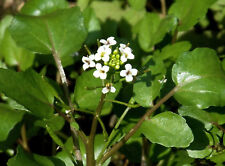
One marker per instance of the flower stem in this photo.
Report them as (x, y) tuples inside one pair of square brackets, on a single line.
[(113, 133), (123, 103), (90, 144), (118, 145)]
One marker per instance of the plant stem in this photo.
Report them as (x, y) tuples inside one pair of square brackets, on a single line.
[(118, 145), (24, 138), (163, 7), (123, 103), (90, 145), (74, 133), (113, 133)]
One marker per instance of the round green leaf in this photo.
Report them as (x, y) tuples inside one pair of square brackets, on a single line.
[(200, 79), (9, 118), (167, 129), (62, 31), (153, 29), (147, 87), (190, 12), (42, 7), (88, 88)]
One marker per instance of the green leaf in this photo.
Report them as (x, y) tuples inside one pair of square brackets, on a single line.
[(147, 87), (102, 9), (190, 12), (28, 89), (93, 26), (12, 54), (172, 52), (200, 79), (23, 158), (88, 88), (9, 118), (42, 7), (62, 32), (167, 129), (56, 123), (197, 114), (137, 4), (83, 3), (153, 29)]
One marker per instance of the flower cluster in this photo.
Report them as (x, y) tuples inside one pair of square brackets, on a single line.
[(106, 60)]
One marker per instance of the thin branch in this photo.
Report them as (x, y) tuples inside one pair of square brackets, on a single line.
[(90, 145), (58, 62), (163, 7), (118, 145)]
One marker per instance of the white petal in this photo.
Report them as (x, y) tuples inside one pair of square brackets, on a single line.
[(97, 56), (129, 78), (103, 76), (112, 89), (105, 68), (134, 72), (130, 56), (123, 46), (101, 49), (96, 74), (105, 90), (110, 38), (92, 64), (85, 66), (108, 50), (123, 58), (128, 66), (128, 50), (98, 66), (103, 41), (84, 59), (123, 73), (92, 57), (105, 58)]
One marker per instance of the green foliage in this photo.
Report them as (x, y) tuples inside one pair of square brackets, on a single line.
[(9, 119), (24, 158), (153, 29), (200, 79), (167, 129), (28, 89), (62, 31), (189, 12), (148, 85), (89, 88), (52, 114)]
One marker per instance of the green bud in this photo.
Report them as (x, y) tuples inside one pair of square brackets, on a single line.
[(113, 64), (106, 63), (117, 67), (121, 63), (115, 52), (117, 56), (113, 56)]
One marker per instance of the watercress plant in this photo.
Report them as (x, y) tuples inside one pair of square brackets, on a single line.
[(112, 82)]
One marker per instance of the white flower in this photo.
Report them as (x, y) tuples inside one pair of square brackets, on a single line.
[(88, 61), (128, 73), (109, 42), (101, 71), (126, 53), (103, 53), (108, 88)]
